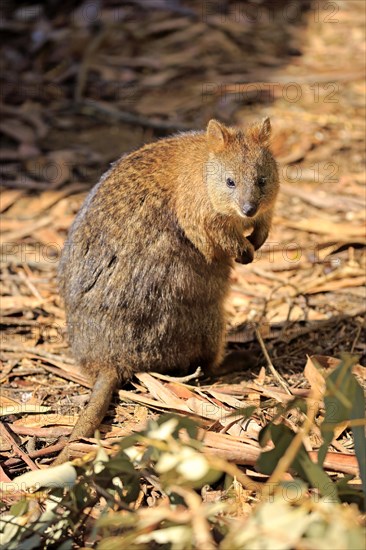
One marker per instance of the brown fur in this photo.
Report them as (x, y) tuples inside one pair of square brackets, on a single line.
[(146, 267)]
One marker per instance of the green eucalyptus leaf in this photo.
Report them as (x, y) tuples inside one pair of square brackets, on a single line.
[(341, 392), (120, 464), (282, 437), (315, 475), (357, 412), (35, 541)]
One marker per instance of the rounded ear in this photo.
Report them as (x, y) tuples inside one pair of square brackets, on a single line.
[(216, 135), (265, 130), (261, 133)]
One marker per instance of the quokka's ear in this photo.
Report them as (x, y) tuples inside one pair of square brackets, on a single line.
[(265, 130), (261, 133), (217, 136)]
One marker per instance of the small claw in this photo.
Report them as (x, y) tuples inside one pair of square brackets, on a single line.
[(245, 257)]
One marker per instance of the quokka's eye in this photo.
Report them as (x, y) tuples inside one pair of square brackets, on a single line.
[(262, 180), (230, 183)]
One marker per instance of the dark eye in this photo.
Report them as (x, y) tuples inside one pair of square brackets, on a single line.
[(230, 183), (262, 180)]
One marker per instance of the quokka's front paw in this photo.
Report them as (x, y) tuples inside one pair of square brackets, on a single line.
[(246, 256), (257, 239)]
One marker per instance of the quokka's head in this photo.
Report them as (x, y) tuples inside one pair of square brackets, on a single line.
[(240, 173)]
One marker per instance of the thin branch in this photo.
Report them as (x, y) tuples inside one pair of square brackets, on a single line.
[(270, 365)]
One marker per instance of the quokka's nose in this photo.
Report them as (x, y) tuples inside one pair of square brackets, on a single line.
[(249, 209)]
